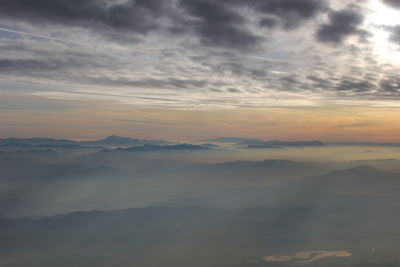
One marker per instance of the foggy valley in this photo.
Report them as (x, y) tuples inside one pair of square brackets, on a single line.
[(157, 203)]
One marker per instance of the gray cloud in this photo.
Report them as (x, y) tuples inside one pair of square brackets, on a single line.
[(393, 3), (354, 85), (390, 84), (25, 66), (342, 23), (171, 83), (47, 68), (395, 34)]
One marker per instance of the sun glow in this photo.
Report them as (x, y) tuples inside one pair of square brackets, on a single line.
[(383, 17)]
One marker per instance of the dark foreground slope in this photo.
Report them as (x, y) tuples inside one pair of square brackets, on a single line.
[(202, 237)]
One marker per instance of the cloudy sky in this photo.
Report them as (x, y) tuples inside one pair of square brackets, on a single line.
[(193, 69)]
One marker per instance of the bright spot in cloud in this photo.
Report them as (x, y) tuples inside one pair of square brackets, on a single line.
[(381, 17)]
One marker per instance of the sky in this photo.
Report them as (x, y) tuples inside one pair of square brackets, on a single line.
[(195, 69)]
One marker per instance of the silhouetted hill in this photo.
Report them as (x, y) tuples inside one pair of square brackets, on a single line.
[(351, 143), (161, 148), (279, 164), (232, 140), (35, 141), (362, 184), (112, 140), (279, 143)]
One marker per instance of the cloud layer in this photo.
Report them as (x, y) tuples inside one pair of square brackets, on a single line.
[(213, 53)]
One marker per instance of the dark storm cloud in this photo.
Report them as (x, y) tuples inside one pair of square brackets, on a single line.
[(268, 22), (342, 24), (218, 24), (221, 23), (215, 23), (291, 13), (136, 16), (74, 11)]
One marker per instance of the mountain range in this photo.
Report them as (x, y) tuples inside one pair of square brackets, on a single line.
[(119, 141)]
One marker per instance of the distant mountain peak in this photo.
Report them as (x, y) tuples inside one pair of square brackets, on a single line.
[(116, 138)]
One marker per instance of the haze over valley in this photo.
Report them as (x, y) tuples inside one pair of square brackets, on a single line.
[(158, 203)]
